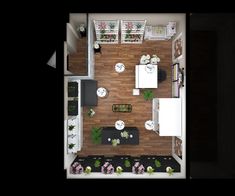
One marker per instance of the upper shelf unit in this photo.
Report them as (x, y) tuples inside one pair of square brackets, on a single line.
[(106, 31), (132, 31)]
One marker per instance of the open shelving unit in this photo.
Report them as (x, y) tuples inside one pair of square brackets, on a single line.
[(106, 31), (132, 31), (73, 120)]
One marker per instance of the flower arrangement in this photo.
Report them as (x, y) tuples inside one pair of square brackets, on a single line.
[(115, 142), (129, 27), (82, 28), (119, 170), (76, 168), (138, 168), (102, 27), (96, 45), (169, 170), (125, 134), (150, 170), (111, 25), (138, 25), (107, 168), (155, 59), (145, 59), (91, 112), (88, 170)]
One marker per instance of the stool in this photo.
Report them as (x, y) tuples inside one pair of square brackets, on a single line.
[(136, 91)]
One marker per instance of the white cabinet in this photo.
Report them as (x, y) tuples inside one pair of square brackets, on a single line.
[(73, 124), (167, 116), (160, 32), (132, 31), (73, 135), (106, 31)]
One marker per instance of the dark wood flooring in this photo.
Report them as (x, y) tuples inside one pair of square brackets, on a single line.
[(78, 61), (120, 86)]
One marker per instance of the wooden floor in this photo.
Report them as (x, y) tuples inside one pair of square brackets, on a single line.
[(120, 91), (78, 61)]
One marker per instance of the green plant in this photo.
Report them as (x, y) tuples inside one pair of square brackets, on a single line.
[(127, 163), (138, 25), (97, 163), (102, 31), (125, 134), (71, 127), (119, 170), (128, 31), (91, 112), (148, 95), (88, 170), (96, 135), (169, 170), (115, 142), (71, 145), (111, 25), (157, 163), (150, 170)]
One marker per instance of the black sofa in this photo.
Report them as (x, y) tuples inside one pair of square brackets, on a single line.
[(88, 93)]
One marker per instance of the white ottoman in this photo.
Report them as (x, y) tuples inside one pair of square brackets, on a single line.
[(136, 91)]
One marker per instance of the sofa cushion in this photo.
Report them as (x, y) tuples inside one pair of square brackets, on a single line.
[(88, 93)]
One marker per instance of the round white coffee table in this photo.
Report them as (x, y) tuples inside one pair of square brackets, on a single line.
[(119, 125), (119, 67), (101, 92), (149, 125)]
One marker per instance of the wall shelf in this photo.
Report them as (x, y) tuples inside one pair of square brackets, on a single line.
[(132, 31), (106, 31)]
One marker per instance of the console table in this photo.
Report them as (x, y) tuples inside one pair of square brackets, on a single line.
[(109, 133)]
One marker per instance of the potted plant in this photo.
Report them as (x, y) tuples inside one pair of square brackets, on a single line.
[(91, 112), (150, 170), (111, 26), (154, 60), (82, 30), (138, 26), (157, 163), (127, 163), (71, 127), (115, 142), (96, 135), (97, 46), (71, 145), (169, 170), (119, 170), (88, 170), (97, 163), (148, 95), (125, 134)]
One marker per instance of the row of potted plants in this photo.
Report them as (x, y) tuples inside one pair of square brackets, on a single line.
[(107, 168)]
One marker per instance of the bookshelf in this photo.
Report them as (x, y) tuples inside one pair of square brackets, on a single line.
[(132, 31), (106, 31)]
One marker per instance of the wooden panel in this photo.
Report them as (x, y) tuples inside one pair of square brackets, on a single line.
[(120, 86)]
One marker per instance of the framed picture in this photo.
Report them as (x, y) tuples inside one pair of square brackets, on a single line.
[(178, 47)]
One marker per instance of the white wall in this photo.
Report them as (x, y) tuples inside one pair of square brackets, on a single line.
[(71, 39), (152, 19), (65, 59), (91, 57), (181, 29)]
